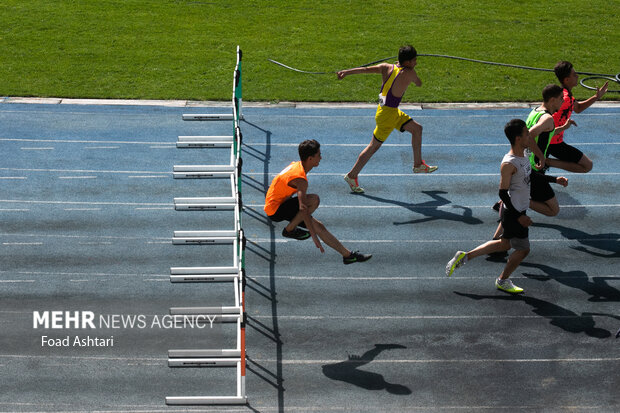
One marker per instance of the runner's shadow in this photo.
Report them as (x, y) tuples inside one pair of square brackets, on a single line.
[(607, 242), (559, 316), (348, 371), (431, 209), (598, 289)]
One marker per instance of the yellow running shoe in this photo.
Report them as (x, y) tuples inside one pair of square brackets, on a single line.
[(457, 261), (507, 286)]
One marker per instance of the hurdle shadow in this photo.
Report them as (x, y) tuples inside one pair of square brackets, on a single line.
[(597, 289), (431, 210), (272, 332), (609, 242), (560, 317), (349, 371)]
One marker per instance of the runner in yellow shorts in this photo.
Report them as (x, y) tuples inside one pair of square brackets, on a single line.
[(396, 79)]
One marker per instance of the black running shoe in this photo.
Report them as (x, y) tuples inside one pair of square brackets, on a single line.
[(356, 257), (297, 233)]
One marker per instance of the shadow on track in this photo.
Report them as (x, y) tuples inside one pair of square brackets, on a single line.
[(559, 316), (607, 242), (349, 372), (598, 289), (431, 210)]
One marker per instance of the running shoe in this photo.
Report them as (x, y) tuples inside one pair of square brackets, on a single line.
[(297, 233), (507, 286), (355, 186), (356, 256), (457, 261), (424, 168)]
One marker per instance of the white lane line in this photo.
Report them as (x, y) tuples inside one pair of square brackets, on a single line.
[(101, 142), (101, 147), (13, 177), (83, 236), (17, 281), (339, 174), (422, 317), (78, 177), (22, 201), (148, 176), (13, 210), (82, 274), (434, 174), (430, 145), (37, 149), (453, 361), (447, 207), (22, 243), (82, 209), (416, 278), (156, 209), (434, 241), (314, 361), (77, 171), (95, 243)]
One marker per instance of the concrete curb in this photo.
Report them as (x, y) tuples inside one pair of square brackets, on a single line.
[(295, 105)]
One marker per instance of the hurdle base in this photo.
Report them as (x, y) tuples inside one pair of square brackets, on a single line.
[(205, 400)]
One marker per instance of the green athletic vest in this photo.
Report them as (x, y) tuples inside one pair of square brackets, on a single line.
[(542, 140)]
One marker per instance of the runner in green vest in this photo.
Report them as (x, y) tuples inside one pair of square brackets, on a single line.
[(541, 126)]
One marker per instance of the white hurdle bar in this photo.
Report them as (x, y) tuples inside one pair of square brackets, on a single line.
[(204, 237), (202, 171), (226, 203), (203, 274), (208, 116), (205, 141)]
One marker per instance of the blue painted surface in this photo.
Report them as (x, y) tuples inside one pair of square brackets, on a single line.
[(87, 219)]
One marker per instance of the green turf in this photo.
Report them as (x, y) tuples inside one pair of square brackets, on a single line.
[(185, 49)]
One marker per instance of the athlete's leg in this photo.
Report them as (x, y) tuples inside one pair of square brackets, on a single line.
[(498, 232), (364, 157), (416, 140), (569, 158), (513, 262), (328, 238), (313, 203), (489, 247), (550, 208), (583, 166)]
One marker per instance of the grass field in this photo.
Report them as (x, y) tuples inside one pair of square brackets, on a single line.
[(185, 49)]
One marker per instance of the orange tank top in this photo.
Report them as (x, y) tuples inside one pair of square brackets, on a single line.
[(279, 190)]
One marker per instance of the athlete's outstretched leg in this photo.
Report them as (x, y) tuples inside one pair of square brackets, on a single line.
[(416, 141), (364, 157)]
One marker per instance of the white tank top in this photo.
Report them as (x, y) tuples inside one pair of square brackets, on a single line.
[(519, 189)]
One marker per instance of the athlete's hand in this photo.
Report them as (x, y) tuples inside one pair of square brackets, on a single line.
[(525, 221), (540, 164), (342, 74), (600, 92), (317, 243), (568, 124), (562, 181)]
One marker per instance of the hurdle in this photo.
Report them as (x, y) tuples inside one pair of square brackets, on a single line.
[(235, 273), (237, 95)]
